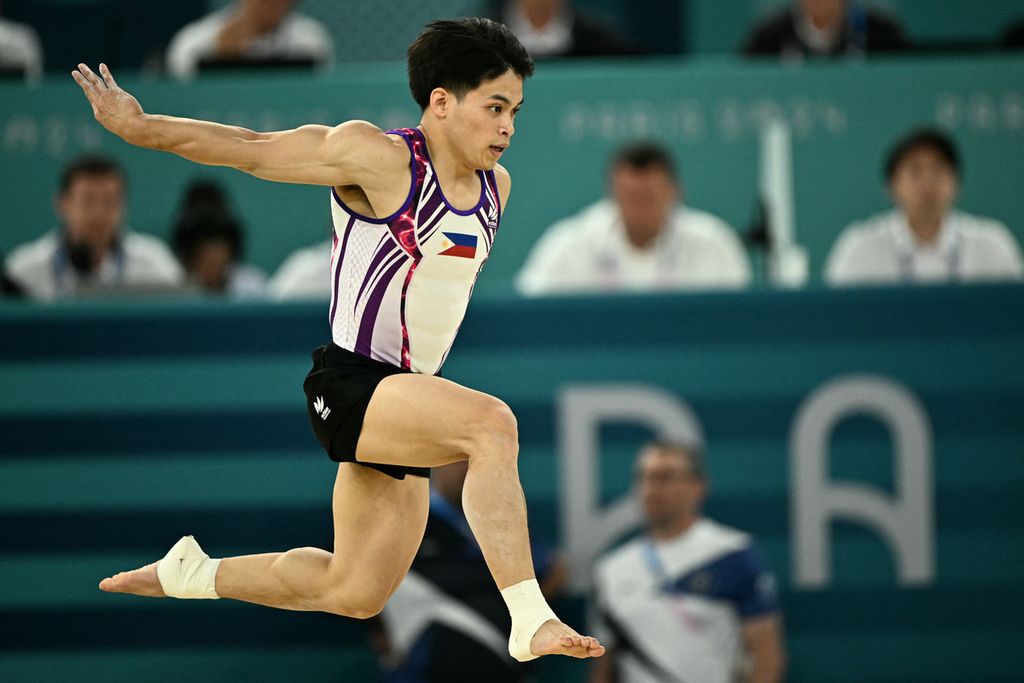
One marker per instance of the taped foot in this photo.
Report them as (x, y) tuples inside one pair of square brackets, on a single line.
[(187, 572), (536, 631)]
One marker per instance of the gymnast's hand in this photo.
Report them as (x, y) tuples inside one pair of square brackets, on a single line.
[(115, 109)]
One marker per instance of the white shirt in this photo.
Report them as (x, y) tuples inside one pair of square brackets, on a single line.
[(20, 48), (883, 250), (590, 251), (298, 36), (305, 274), (672, 610), (141, 262)]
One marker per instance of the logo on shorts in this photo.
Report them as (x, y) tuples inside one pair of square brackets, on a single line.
[(321, 408)]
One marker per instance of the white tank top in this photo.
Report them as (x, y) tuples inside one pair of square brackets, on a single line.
[(400, 285)]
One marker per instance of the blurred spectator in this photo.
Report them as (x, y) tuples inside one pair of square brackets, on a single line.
[(554, 28), (257, 31), (208, 240), (1013, 37), (691, 599), (305, 274), (446, 623), (20, 50), (92, 253), (641, 238), (825, 28), (7, 286), (924, 239)]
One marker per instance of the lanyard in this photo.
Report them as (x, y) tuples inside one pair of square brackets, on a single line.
[(657, 567), (61, 272), (953, 257)]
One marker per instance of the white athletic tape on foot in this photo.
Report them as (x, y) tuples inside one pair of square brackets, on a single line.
[(187, 572), (529, 611)]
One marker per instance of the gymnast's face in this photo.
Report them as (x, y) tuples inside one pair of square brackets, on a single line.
[(481, 123)]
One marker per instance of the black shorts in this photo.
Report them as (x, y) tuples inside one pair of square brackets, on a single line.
[(338, 390)]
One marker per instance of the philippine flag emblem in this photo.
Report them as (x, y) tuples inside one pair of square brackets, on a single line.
[(457, 244)]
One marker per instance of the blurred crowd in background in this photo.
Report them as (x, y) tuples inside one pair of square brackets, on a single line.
[(642, 236)]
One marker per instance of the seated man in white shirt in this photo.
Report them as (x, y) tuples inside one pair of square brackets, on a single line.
[(924, 239), (20, 50), (91, 253), (691, 599), (249, 30), (641, 238)]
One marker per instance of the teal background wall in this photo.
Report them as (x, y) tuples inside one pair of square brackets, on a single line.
[(124, 426), (843, 118)]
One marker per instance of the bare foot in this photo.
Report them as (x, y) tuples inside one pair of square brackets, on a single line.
[(555, 638), (141, 581)]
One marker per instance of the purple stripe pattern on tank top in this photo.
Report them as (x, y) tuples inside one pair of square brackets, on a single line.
[(403, 231), (404, 228), (431, 208), (406, 355), (432, 226), (337, 267), (370, 311), (385, 253)]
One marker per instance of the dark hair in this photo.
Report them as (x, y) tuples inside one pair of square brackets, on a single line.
[(689, 452), (460, 54), (644, 155), (205, 216), (89, 165), (922, 138)]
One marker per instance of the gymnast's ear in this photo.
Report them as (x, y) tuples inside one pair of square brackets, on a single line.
[(441, 102)]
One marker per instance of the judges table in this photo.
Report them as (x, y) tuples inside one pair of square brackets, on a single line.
[(872, 441)]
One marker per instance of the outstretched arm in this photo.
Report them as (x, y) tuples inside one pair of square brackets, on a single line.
[(353, 153)]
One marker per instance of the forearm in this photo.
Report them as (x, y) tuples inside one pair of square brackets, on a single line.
[(204, 142)]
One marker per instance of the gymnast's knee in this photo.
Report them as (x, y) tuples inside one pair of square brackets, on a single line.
[(356, 604), (495, 433)]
